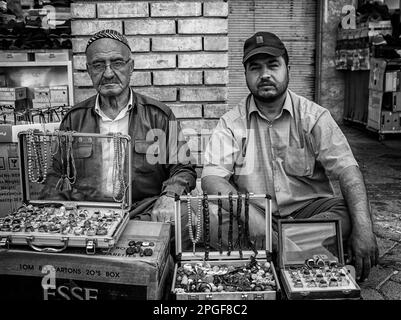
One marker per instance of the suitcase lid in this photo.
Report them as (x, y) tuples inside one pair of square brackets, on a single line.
[(225, 254), (85, 186), (302, 239)]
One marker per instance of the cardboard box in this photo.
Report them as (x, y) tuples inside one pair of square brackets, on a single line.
[(376, 75), (392, 101), (392, 81), (40, 105), (390, 121), (73, 275), (17, 105), (41, 95), (11, 94), (56, 55), (59, 95), (13, 56), (374, 109)]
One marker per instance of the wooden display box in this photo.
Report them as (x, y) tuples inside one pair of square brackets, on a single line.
[(311, 261), (223, 261), (111, 275), (51, 219)]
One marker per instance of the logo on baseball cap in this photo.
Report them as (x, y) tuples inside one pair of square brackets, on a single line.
[(263, 42)]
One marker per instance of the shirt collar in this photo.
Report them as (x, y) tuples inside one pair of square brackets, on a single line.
[(122, 113), (286, 106)]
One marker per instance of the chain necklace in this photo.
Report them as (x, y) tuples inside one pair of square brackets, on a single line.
[(230, 228), (62, 183), (66, 178), (37, 158), (119, 184), (220, 215), (195, 239), (206, 225), (70, 159), (239, 223)]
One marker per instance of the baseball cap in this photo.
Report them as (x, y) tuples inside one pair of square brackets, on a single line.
[(263, 42)]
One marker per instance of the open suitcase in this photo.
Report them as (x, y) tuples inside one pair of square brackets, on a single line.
[(228, 273), (65, 203), (311, 261)]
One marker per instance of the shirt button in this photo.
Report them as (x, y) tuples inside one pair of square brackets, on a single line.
[(277, 189)]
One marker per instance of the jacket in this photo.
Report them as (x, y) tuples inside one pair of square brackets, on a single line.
[(148, 180)]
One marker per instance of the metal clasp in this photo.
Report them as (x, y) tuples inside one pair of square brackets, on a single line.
[(258, 296), (209, 297), (193, 297), (5, 242), (90, 246), (244, 296)]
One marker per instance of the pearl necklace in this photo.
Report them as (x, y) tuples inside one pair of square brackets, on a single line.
[(195, 239)]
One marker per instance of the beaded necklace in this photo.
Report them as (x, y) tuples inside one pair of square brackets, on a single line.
[(239, 223), (220, 215), (195, 239), (230, 227), (119, 184), (206, 225), (250, 243), (37, 158)]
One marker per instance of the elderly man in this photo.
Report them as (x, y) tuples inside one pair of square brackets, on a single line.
[(117, 108), (279, 143)]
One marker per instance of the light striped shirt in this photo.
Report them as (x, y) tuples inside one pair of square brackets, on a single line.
[(292, 158)]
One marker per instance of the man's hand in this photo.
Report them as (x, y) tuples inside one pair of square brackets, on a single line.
[(163, 210), (364, 252)]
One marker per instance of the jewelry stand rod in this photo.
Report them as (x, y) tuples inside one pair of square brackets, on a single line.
[(216, 197)]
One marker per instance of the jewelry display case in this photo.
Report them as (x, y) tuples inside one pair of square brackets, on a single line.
[(311, 261), (238, 271), (76, 191)]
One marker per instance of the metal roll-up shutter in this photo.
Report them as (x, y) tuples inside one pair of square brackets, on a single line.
[(293, 21)]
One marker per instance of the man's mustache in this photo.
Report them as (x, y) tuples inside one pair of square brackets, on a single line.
[(266, 83), (110, 82)]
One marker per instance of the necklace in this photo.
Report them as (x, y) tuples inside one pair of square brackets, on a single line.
[(220, 215), (70, 159), (206, 225), (239, 223), (250, 243), (230, 227), (37, 158), (119, 184), (195, 239)]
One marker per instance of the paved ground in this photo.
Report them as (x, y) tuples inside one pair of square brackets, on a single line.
[(380, 163)]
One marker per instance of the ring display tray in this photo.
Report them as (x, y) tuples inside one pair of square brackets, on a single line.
[(76, 190), (230, 273), (311, 261)]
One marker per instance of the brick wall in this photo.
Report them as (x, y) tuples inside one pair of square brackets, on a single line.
[(180, 49)]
